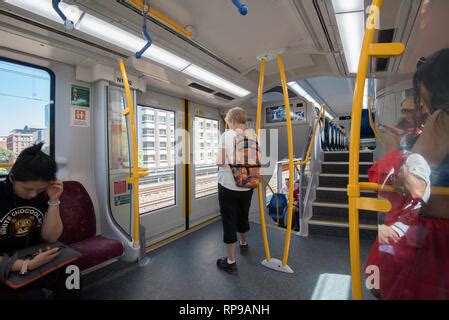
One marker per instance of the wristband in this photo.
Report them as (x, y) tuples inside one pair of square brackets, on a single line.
[(24, 269), (54, 203)]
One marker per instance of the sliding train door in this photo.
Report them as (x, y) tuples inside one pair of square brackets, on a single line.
[(160, 193), (206, 127)]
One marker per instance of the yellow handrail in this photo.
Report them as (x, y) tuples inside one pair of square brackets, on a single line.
[(369, 186), (309, 149), (136, 171), (369, 49), (371, 122), (6, 165), (291, 168), (164, 19), (259, 188), (290, 160)]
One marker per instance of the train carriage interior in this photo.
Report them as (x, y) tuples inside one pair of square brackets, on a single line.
[(130, 99)]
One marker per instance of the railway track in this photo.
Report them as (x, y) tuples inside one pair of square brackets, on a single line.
[(167, 200)]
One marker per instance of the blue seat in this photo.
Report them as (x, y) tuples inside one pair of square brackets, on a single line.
[(272, 211), (366, 132)]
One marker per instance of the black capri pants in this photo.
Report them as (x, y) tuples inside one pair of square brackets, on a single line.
[(234, 210)]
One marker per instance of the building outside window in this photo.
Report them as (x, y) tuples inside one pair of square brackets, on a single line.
[(156, 149), (205, 156)]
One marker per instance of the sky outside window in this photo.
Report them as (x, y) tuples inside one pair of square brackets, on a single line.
[(24, 93)]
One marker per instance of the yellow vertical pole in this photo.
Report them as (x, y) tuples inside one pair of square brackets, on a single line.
[(354, 155), (369, 49), (134, 153), (291, 167), (259, 188)]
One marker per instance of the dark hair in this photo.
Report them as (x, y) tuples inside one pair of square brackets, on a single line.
[(33, 165), (433, 73)]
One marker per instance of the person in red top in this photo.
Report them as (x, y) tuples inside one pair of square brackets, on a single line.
[(413, 256), (295, 220)]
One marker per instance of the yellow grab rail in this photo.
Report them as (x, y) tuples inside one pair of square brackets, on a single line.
[(259, 188), (162, 18), (322, 115), (136, 172), (290, 163), (6, 165), (369, 49), (437, 191), (372, 124), (291, 168), (281, 265)]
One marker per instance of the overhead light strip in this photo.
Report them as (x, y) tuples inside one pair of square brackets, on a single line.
[(350, 16), (110, 33), (342, 6), (303, 93), (206, 76)]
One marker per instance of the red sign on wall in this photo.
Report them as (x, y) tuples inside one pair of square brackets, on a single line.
[(80, 114), (80, 117), (120, 187)]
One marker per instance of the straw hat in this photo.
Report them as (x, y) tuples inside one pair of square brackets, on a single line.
[(408, 104)]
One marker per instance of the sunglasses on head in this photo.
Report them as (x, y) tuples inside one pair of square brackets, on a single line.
[(421, 61)]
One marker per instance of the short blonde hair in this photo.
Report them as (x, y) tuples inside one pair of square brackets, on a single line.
[(408, 104), (236, 115)]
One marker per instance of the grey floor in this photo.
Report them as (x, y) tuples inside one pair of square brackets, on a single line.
[(186, 270)]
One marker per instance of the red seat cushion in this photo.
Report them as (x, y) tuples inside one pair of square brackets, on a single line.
[(78, 217), (97, 250), (77, 213)]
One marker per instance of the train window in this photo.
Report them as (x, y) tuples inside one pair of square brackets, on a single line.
[(156, 152), (26, 109), (205, 158)]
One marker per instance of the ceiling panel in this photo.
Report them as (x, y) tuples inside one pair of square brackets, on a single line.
[(239, 39), (336, 92)]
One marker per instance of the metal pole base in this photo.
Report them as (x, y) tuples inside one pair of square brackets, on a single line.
[(276, 265), (144, 261)]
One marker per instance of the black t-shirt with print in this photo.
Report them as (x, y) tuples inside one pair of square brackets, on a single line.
[(20, 219)]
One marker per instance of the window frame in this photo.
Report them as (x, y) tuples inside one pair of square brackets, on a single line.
[(52, 97)]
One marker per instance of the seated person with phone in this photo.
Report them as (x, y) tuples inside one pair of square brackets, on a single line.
[(30, 225), (404, 135)]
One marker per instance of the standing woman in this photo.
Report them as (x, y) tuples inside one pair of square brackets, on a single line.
[(234, 201), (29, 215)]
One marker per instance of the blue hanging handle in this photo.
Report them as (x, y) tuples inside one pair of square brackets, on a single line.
[(145, 33), (243, 8), (147, 36), (69, 25)]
